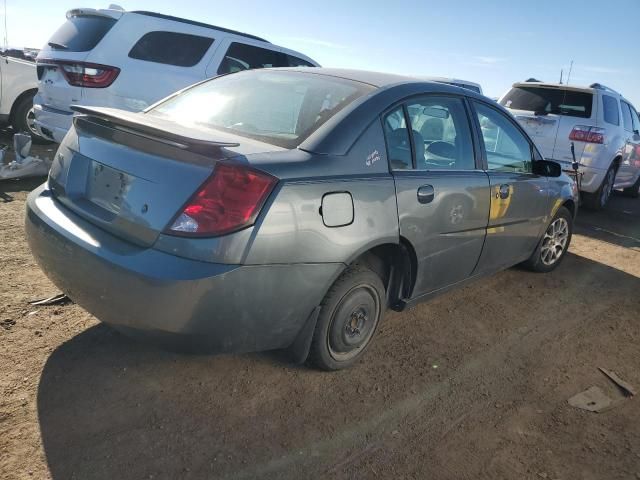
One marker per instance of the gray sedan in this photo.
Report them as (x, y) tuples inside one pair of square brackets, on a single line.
[(289, 208)]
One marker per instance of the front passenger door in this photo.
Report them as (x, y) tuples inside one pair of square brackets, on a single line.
[(519, 198)]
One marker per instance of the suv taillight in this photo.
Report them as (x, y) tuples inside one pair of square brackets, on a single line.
[(82, 74), (583, 133), (229, 200)]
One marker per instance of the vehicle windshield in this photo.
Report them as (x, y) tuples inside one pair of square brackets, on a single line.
[(549, 100), (277, 107)]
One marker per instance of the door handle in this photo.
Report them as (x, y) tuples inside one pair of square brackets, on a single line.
[(425, 194), (503, 191)]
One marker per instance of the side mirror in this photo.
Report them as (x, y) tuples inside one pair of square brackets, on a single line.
[(547, 168)]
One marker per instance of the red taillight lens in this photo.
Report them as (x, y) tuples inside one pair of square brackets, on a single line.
[(229, 200), (88, 75), (583, 133)]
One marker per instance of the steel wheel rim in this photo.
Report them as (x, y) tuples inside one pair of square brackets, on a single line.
[(356, 328), (554, 241), (606, 188), (31, 121)]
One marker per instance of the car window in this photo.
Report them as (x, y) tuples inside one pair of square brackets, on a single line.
[(627, 118), (508, 150), (240, 57), (610, 109), (441, 125), (397, 138), (276, 107), (171, 48), (297, 62), (81, 33), (549, 100), (635, 118)]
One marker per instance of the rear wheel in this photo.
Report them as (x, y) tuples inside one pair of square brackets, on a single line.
[(599, 199), (24, 119), (350, 314), (554, 243)]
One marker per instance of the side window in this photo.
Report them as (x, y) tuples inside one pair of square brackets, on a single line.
[(442, 135), (635, 119), (397, 138), (610, 110), (508, 150), (171, 48), (627, 119), (297, 62), (245, 57)]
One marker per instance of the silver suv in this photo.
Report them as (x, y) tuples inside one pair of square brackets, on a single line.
[(602, 125)]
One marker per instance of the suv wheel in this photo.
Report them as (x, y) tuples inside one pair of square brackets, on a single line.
[(350, 314), (554, 243), (24, 119), (599, 199)]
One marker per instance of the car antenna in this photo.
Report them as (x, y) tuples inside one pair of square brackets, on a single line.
[(569, 74), (561, 72)]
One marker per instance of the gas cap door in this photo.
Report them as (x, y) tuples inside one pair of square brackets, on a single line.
[(337, 209)]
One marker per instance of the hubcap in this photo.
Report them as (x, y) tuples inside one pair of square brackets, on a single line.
[(31, 121), (607, 188), (354, 322), (554, 241)]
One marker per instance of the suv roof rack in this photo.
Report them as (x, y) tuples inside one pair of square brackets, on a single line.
[(197, 24), (599, 86)]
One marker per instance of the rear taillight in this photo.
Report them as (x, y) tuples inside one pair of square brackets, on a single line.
[(229, 200), (82, 74), (583, 133)]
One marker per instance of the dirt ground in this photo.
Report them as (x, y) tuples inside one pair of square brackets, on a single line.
[(471, 385)]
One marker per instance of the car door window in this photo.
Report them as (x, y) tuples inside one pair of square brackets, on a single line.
[(442, 134), (507, 148), (397, 139), (240, 57), (171, 48), (627, 118), (635, 119)]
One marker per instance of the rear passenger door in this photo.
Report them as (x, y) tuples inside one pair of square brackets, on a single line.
[(519, 198), (627, 173), (442, 194)]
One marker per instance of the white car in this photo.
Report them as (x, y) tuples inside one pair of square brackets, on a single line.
[(130, 60), (602, 125), (19, 84)]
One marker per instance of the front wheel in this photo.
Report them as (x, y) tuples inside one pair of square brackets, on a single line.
[(554, 243), (350, 313)]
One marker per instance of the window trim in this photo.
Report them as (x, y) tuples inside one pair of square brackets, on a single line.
[(485, 164), (478, 160), (604, 108)]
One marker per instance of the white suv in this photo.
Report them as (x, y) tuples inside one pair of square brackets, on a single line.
[(603, 126), (130, 60)]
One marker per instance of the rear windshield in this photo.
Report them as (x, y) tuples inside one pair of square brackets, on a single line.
[(549, 100), (81, 33), (281, 108)]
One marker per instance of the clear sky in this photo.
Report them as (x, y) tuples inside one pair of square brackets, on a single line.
[(492, 42)]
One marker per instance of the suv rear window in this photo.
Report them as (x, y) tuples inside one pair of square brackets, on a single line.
[(610, 110), (81, 33), (171, 48), (245, 57), (280, 108), (549, 100)]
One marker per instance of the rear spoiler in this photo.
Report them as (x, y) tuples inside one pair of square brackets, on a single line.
[(154, 128)]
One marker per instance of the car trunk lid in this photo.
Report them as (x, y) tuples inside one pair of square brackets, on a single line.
[(130, 173)]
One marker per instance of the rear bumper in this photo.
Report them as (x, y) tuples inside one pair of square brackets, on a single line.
[(223, 308), (51, 123)]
